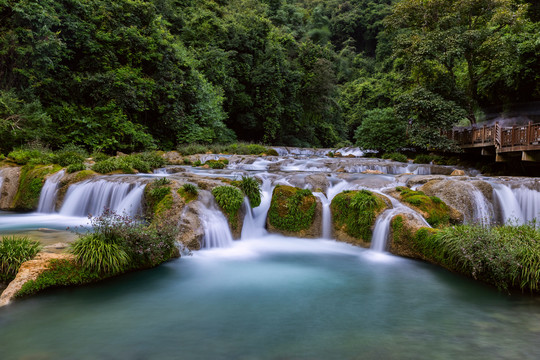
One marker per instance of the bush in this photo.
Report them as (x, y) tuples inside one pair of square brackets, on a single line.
[(31, 155), (13, 252), (423, 159), (143, 162), (161, 181), (101, 254), (76, 167), (395, 157), (70, 155), (252, 189), (192, 149), (230, 200), (504, 256), (217, 164)]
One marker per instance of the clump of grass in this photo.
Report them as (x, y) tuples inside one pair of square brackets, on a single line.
[(230, 199), (101, 254), (504, 256), (190, 189), (251, 187), (13, 252), (162, 181), (395, 157)]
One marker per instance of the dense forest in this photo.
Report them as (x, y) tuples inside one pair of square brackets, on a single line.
[(132, 75)]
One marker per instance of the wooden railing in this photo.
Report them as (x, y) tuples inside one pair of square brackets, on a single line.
[(526, 137)]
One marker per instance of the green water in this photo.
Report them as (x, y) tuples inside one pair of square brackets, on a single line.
[(276, 298)]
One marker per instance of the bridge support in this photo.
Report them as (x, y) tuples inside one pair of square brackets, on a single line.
[(487, 152), (501, 157), (530, 156)]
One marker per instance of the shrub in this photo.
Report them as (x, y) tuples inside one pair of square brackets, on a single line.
[(504, 256), (191, 149), (99, 156), (217, 164), (143, 162), (190, 189), (252, 189), (395, 157), (13, 252), (230, 200), (101, 254), (105, 166), (76, 167), (292, 209), (69, 155), (355, 212), (161, 181), (423, 159), (33, 155)]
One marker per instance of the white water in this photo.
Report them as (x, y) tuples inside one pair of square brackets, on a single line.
[(382, 224), (529, 202), (217, 233), (255, 220), (326, 224), (508, 204), (94, 197), (47, 198), (483, 209)]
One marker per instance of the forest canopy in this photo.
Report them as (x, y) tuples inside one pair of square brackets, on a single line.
[(133, 75)]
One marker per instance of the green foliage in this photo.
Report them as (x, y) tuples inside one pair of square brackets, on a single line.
[(70, 155), (13, 252), (355, 212), (31, 155), (423, 159), (435, 211), (60, 273), (217, 164), (158, 196), (395, 157), (230, 200), (252, 189), (292, 209), (380, 131), (100, 254), (143, 162), (239, 148), (75, 167), (504, 256), (30, 183), (190, 189), (161, 182)]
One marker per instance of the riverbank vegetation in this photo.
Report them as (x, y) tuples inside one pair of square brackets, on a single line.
[(13, 252), (135, 76)]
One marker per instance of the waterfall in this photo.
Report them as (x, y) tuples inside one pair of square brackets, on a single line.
[(255, 220), (93, 197), (47, 198), (1, 183), (326, 224), (216, 228), (509, 206), (382, 224), (482, 208), (529, 201)]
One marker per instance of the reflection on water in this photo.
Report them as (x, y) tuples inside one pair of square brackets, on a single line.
[(276, 298)]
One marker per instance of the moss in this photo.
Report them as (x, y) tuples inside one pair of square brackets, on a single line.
[(355, 212), (217, 164), (60, 273), (30, 183), (158, 199), (230, 200), (188, 192), (292, 209), (436, 212)]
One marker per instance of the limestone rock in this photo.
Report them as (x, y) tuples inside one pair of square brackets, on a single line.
[(458, 172), (9, 186), (402, 230), (30, 270), (375, 172)]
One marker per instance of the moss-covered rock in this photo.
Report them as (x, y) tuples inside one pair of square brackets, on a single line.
[(432, 208), (31, 181), (354, 214), (230, 200), (403, 228), (293, 212), (158, 199)]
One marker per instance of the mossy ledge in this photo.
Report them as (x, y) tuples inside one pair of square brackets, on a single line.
[(293, 212), (30, 183), (354, 213), (432, 208), (230, 201)]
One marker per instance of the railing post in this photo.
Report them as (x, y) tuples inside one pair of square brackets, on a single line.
[(529, 133), (513, 135), (483, 134)]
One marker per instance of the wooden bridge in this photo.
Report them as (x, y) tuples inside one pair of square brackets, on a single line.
[(506, 143)]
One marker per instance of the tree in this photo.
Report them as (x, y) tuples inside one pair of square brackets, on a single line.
[(451, 46), (380, 130)]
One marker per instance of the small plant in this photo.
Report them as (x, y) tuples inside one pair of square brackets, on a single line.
[(101, 254), (13, 252), (186, 161), (230, 199), (162, 182), (423, 159), (216, 164), (75, 167), (70, 155), (190, 189), (251, 187), (395, 157)]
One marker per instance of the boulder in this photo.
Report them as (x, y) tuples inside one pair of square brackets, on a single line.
[(458, 172), (9, 187), (403, 228)]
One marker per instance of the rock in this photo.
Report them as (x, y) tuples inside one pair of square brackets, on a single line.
[(9, 187), (403, 227), (191, 232), (30, 270), (377, 172), (458, 173), (301, 220)]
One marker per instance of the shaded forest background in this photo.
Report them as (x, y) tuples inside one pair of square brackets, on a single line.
[(132, 75)]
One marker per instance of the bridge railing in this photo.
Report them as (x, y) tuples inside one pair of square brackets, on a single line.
[(498, 136)]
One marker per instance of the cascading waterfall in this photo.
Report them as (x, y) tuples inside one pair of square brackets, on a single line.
[(483, 209), (326, 216), (506, 201), (382, 224), (93, 197), (217, 233), (47, 198), (529, 202), (255, 220)]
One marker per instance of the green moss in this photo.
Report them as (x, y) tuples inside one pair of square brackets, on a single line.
[(436, 212), (355, 212), (292, 209), (60, 273), (230, 200), (30, 183), (217, 164), (83, 175), (397, 229), (158, 198), (188, 192)]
